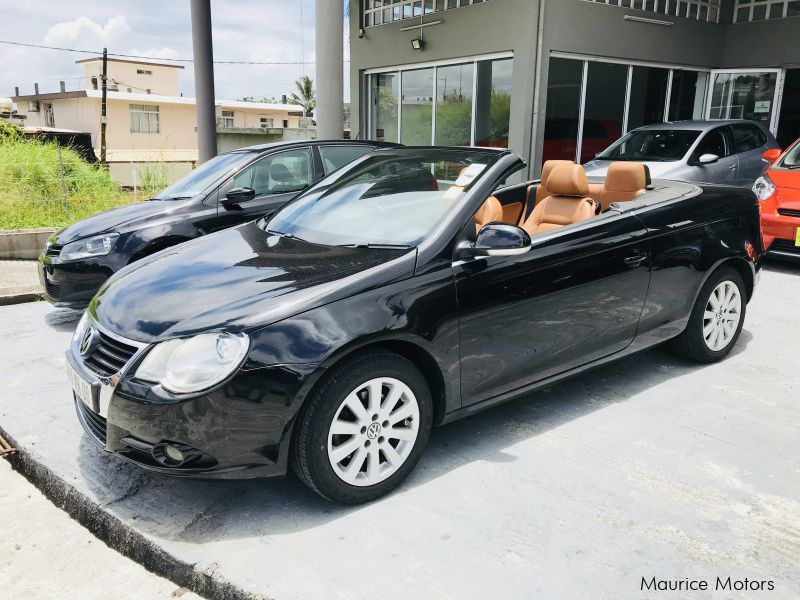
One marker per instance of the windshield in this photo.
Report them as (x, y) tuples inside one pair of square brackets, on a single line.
[(198, 180), (654, 145), (385, 199), (792, 158)]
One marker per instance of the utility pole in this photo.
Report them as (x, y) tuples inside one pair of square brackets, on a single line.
[(329, 35), (203, 55), (103, 99)]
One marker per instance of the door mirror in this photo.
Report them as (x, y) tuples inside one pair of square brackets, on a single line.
[(770, 156), (501, 239), (238, 195), (708, 159)]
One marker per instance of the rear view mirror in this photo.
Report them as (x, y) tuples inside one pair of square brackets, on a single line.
[(238, 195), (770, 156), (501, 239), (708, 159)]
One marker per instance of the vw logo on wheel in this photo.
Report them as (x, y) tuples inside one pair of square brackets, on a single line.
[(86, 342), (374, 431)]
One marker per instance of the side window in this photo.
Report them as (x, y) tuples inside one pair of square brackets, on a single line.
[(335, 157), (747, 137), (712, 143), (280, 173)]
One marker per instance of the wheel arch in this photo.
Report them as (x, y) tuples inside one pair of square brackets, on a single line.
[(740, 265)]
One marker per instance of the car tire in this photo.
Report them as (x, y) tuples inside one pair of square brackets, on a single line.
[(351, 455), (716, 320)]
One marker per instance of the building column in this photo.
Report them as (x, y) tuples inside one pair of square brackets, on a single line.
[(203, 55), (329, 36)]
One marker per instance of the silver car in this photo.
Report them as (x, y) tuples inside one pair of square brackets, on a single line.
[(704, 151)]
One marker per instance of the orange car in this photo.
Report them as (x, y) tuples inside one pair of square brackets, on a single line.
[(778, 189)]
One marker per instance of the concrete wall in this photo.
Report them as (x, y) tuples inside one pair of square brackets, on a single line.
[(163, 80)]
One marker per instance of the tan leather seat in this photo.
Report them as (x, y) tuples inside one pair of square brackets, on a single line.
[(490, 211), (542, 190), (568, 203), (625, 181)]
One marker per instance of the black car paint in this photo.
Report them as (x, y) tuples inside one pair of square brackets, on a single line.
[(482, 329), (147, 227)]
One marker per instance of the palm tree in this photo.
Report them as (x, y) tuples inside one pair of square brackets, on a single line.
[(306, 96)]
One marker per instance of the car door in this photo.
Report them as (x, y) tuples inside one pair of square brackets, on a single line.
[(275, 179), (717, 142), (574, 297), (749, 143)]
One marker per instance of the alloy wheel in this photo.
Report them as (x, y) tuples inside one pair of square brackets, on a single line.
[(373, 431), (722, 315)]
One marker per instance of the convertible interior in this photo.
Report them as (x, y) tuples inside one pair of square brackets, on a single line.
[(563, 196)]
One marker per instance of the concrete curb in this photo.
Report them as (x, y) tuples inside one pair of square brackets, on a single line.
[(20, 298), (119, 536), (24, 243)]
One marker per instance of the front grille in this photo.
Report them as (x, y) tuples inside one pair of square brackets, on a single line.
[(52, 289), (785, 246), (53, 249), (92, 422), (108, 355), (789, 212)]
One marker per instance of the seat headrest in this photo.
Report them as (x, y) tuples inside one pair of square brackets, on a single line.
[(549, 165), (625, 177), (568, 180), (280, 173)]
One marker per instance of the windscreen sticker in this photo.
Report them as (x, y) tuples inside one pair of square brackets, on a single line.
[(469, 174), (453, 192)]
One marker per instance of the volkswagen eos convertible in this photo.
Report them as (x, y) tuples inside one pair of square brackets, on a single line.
[(409, 289)]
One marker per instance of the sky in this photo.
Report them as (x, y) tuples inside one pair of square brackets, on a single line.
[(251, 30)]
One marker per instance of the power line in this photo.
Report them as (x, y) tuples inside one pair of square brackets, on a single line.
[(184, 60)]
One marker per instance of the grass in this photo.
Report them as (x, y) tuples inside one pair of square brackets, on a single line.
[(31, 191)]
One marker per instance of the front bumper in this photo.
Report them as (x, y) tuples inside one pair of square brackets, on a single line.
[(239, 430), (779, 233), (73, 284)]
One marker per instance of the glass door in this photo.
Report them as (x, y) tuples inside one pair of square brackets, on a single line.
[(750, 95)]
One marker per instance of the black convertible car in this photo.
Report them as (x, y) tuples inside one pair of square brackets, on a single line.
[(406, 290), (228, 190)]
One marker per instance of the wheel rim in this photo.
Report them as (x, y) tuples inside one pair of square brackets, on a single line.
[(722, 315), (373, 431)]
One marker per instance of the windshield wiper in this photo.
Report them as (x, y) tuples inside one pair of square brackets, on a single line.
[(377, 246)]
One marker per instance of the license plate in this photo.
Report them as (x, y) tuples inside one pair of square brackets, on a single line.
[(797, 237), (82, 388)]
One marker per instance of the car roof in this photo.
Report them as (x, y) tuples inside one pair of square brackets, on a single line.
[(298, 143), (695, 125)]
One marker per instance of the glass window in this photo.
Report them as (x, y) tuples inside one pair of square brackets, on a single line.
[(493, 103), (653, 145), (563, 109), (747, 137), (277, 174), (687, 96), (648, 96), (385, 95), (789, 121), (144, 118), (416, 116), (712, 143), (335, 157), (388, 198), (203, 176), (454, 105), (604, 107), (743, 96), (227, 118)]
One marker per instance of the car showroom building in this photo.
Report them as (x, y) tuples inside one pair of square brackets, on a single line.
[(565, 78)]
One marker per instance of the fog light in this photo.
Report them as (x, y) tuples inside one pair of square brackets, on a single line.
[(169, 455), (173, 453)]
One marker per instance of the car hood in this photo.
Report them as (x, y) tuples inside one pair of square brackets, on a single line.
[(658, 170), (116, 219), (238, 279), (785, 179)]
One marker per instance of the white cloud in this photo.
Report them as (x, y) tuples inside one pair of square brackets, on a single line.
[(86, 32)]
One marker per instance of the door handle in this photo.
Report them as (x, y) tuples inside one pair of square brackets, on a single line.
[(635, 260)]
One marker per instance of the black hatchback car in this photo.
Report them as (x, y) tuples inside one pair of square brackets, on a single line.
[(228, 190), (406, 290)]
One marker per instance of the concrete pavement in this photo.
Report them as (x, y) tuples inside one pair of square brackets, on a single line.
[(19, 281), (648, 467)]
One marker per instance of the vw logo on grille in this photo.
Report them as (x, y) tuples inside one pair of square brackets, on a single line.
[(86, 342)]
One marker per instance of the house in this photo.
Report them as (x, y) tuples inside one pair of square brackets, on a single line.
[(149, 122), (565, 78)]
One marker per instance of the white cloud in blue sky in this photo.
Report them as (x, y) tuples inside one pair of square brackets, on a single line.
[(255, 30)]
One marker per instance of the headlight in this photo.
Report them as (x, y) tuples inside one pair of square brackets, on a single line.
[(100, 245), (763, 187), (194, 364)]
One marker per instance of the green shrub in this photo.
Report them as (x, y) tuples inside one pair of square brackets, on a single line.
[(31, 191)]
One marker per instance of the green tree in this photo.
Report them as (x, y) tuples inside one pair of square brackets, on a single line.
[(306, 95)]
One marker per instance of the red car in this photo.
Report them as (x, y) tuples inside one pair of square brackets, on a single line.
[(778, 189)]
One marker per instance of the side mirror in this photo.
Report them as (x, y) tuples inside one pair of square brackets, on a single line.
[(238, 195), (770, 156), (708, 159), (501, 239)]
